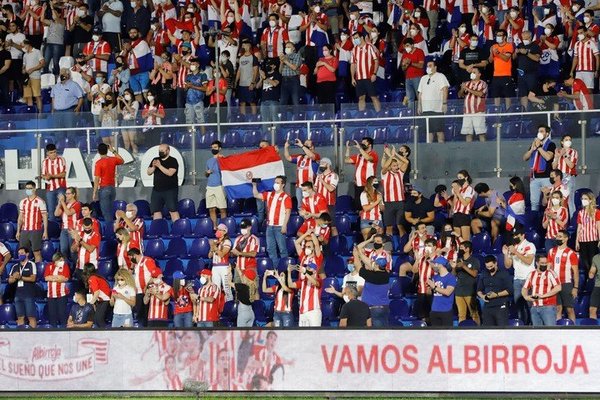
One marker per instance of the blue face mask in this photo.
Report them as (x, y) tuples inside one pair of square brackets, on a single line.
[(22, 257), (356, 42), (99, 80), (29, 192), (351, 267)]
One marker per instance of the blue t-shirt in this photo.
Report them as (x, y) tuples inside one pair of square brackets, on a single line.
[(195, 96), (443, 303), (214, 179), (82, 314)]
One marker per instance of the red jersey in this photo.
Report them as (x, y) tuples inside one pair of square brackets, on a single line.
[(417, 55), (159, 309), (70, 221), (100, 48), (277, 204), (105, 169), (562, 262), (306, 168), (246, 245), (542, 283), (208, 312), (393, 186), (374, 214), (322, 233), (585, 100), (97, 283), (587, 226), (183, 301), (54, 167), (364, 168), (31, 211), (365, 58), (143, 271), (466, 192), (57, 289), (475, 104), (274, 40), (331, 179), (561, 215), (315, 204), (85, 256)]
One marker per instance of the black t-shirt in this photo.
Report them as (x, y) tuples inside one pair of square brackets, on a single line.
[(80, 35), (526, 65), (24, 289), (356, 312), (162, 182), (272, 93), (470, 57), (375, 277), (243, 293), (467, 285), (550, 98), (4, 56), (419, 210)]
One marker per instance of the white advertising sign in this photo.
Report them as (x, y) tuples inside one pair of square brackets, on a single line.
[(550, 360)]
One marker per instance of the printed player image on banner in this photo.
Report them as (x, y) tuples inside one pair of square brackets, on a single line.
[(546, 360)]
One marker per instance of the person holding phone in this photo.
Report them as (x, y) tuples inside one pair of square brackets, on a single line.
[(282, 317), (122, 299), (182, 290), (540, 289)]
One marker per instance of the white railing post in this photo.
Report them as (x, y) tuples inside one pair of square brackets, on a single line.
[(415, 152), (193, 172), (498, 169), (583, 124)]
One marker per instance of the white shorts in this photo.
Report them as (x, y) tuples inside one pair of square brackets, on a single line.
[(474, 124), (310, 318), (215, 197), (587, 77)]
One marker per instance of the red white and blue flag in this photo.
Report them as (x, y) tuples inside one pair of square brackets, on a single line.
[(238, 170)]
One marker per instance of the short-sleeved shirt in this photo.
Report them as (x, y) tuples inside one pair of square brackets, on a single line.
[(375, 291), (66, 95), (4, 56), (80, 35), (442, 303), (526, 64), (27, 289), (467, 285), (246, 68), (270, 92), (195, 96), (82, 314), (431, 88), (214, 179), (105, 169), (31, 60), (550, 98), (162, 182), (419, 210), (356, 312), (501, 67)]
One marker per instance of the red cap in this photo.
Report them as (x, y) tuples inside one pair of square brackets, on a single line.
[(250, 274), (206, 272)]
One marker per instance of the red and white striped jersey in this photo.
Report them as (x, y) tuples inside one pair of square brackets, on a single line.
[(95, 226), (322, 19), (506, 4), (31, 211), (364, 168), (101, 48), (431, 5), (331, 179), (585, 100), (561, 214), (315, 204), (274, 40), (277, 204), (246, 245), (31, 26), (393, 186), (143, 271), (283, 300), (542, 283), (135, 236), (85, 256), (69, 13), (57, 289), (466, 192), (123, 260), (571, 156), (475, 104), (418, 245), (364, 57), (374, 214), (97, 283), (425, 272), (70, 221), (458, 47), (586, 52), (158, 309), (208, 311), (182, 72), (4, 250), (514, 35), (310, 295), (224, 260), (322, 233), (305, 168), (541, 3), (562, 262), (54, 167), (587, 226), (465, 6)]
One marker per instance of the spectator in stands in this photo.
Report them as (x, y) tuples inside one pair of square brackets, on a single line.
[(86, 212), (555, 219), (165, 188), (462, 204), (540, 155), (32, 223), (458, 41), (119, 77), (145, 271), (182, 294), (544, 98), (97, 52), (471, 57), (565, 160), (86, 245), (466, 270), (110, 15), (104, 179), (307, 164), (442, 286), (246, 246), (289, 67), (433, 99), (310, 279), (595, 296), (96, 97), (69, 209), (313, 204), (23, 274), (54, 171), (374, 266), (363, 70), (501, 58), (67, 100), (588, 230), (415, 246), (419, 209), (122, 299), (393, 168), (247, 76), (140, 60), (586, 58), (128, 107), (219, 252), (372, 206), (206, 303), (137, 17), (565, 264), (282, 315), (109, 118), (540, 289), (33, 63), (351, 279), (6, 255), (246, 293), (412, 63), (365, 164), (81, 314), (492, 213), (354, 313), (270, 85), (129, 220), (326, 185), (215, 193), (325, 70), (81, 28), (157, 297), (580, 94), (527, 55), (14, 43), (494, 288), (125, 243), (475, 93), (5, 63), (520, 256), (56, 274), (273, 39), (279, 208), (195, 83)]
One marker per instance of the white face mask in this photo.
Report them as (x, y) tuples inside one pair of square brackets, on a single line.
[(190, 10), (555, 202), (133, 4), (499, 39), (150, 98), (585, 202), (548, 31), (540, 136), (74, 299), (546, 11), (245, 231), (429, 70), (59, 264), (343, 37), (230, 20), (128, 97), (567, 144), (203, 280), (276, 187), (317, 9), (417, 14), (272, 24), (374, 35), (129, 214), (408, 49), (95, 38), (308, 251), (575, 8), (462, 29), (193, 68), (526, 42), (413, 32), (474, 43), (353, 17), (80, 13), (473, 76), (484, 10), (346, 298), (587, 19), (514, 14), (581, 36), (305, 194), (289, 50)]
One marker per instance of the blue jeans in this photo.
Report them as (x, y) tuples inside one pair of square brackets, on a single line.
[(65, 245), (290, 91), (183, 320), (412, 89), (275, 240), (543, 315), (53, 52), (106, 196), (535, 190), (522, 305), (570, 181), (52, 202), (283, 319), (380, 316), (122, 320), (57, 312), (245, 316), (268, 110), (260, 210), (205, 324)]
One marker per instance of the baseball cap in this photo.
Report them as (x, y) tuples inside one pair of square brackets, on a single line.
[(381, 262), (222, 227), (312, 266), (206, 272), (326, 160), (178, 275), (250, 274), (354, 8), (97, 31), (417, 189), (245, 223), (441, 261)]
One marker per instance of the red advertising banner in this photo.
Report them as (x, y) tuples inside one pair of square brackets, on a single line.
[(549, 360)]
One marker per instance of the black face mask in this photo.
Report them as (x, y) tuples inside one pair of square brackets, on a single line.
[(492, 270), (552, 180), (162, 154), (558, 242), (461, 254), (461, 181), (119, 240), (215, 151), (87, 231), (133, 37), (377, 246), (364, 146), (543, 267), (81, 62), (322, 169), (63, 78)]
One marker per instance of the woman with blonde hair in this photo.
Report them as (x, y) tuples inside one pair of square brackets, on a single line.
[(122, 299), (372, 206), (588, 229)]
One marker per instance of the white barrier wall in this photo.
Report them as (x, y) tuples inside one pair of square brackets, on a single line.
[(551, 360)]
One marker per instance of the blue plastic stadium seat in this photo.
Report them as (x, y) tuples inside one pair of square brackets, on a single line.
[(232, 139), (119, 205), (482, 243), (204, 228), (193, 268), (155, 248), (7, 313), (283, 263), (260, 313), (7, 231), (47, 250), (396, 290), (344, 204), (107, 268), (294, 224), (158, 228), (108, 249), (143, 208), (186, 208), (291, 246), (177, 248), (339, 245), (181, 228), (252, 138), (565, 322), (380, 135), (199, 248), (330, 312), (229, 314), (172, 265), (335, 266), (9, 212), (588, 322), (231, 225), (263, 264), (343, 224), (399, 311), (467, 323), (235, 206), (53, 230)]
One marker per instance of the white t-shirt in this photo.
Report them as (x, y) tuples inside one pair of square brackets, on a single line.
[(110, 23), (31, 60), (522, 270), (121, 307), (355, 280), (17, 38), (97, 101), (431, 87), (231, 48)]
